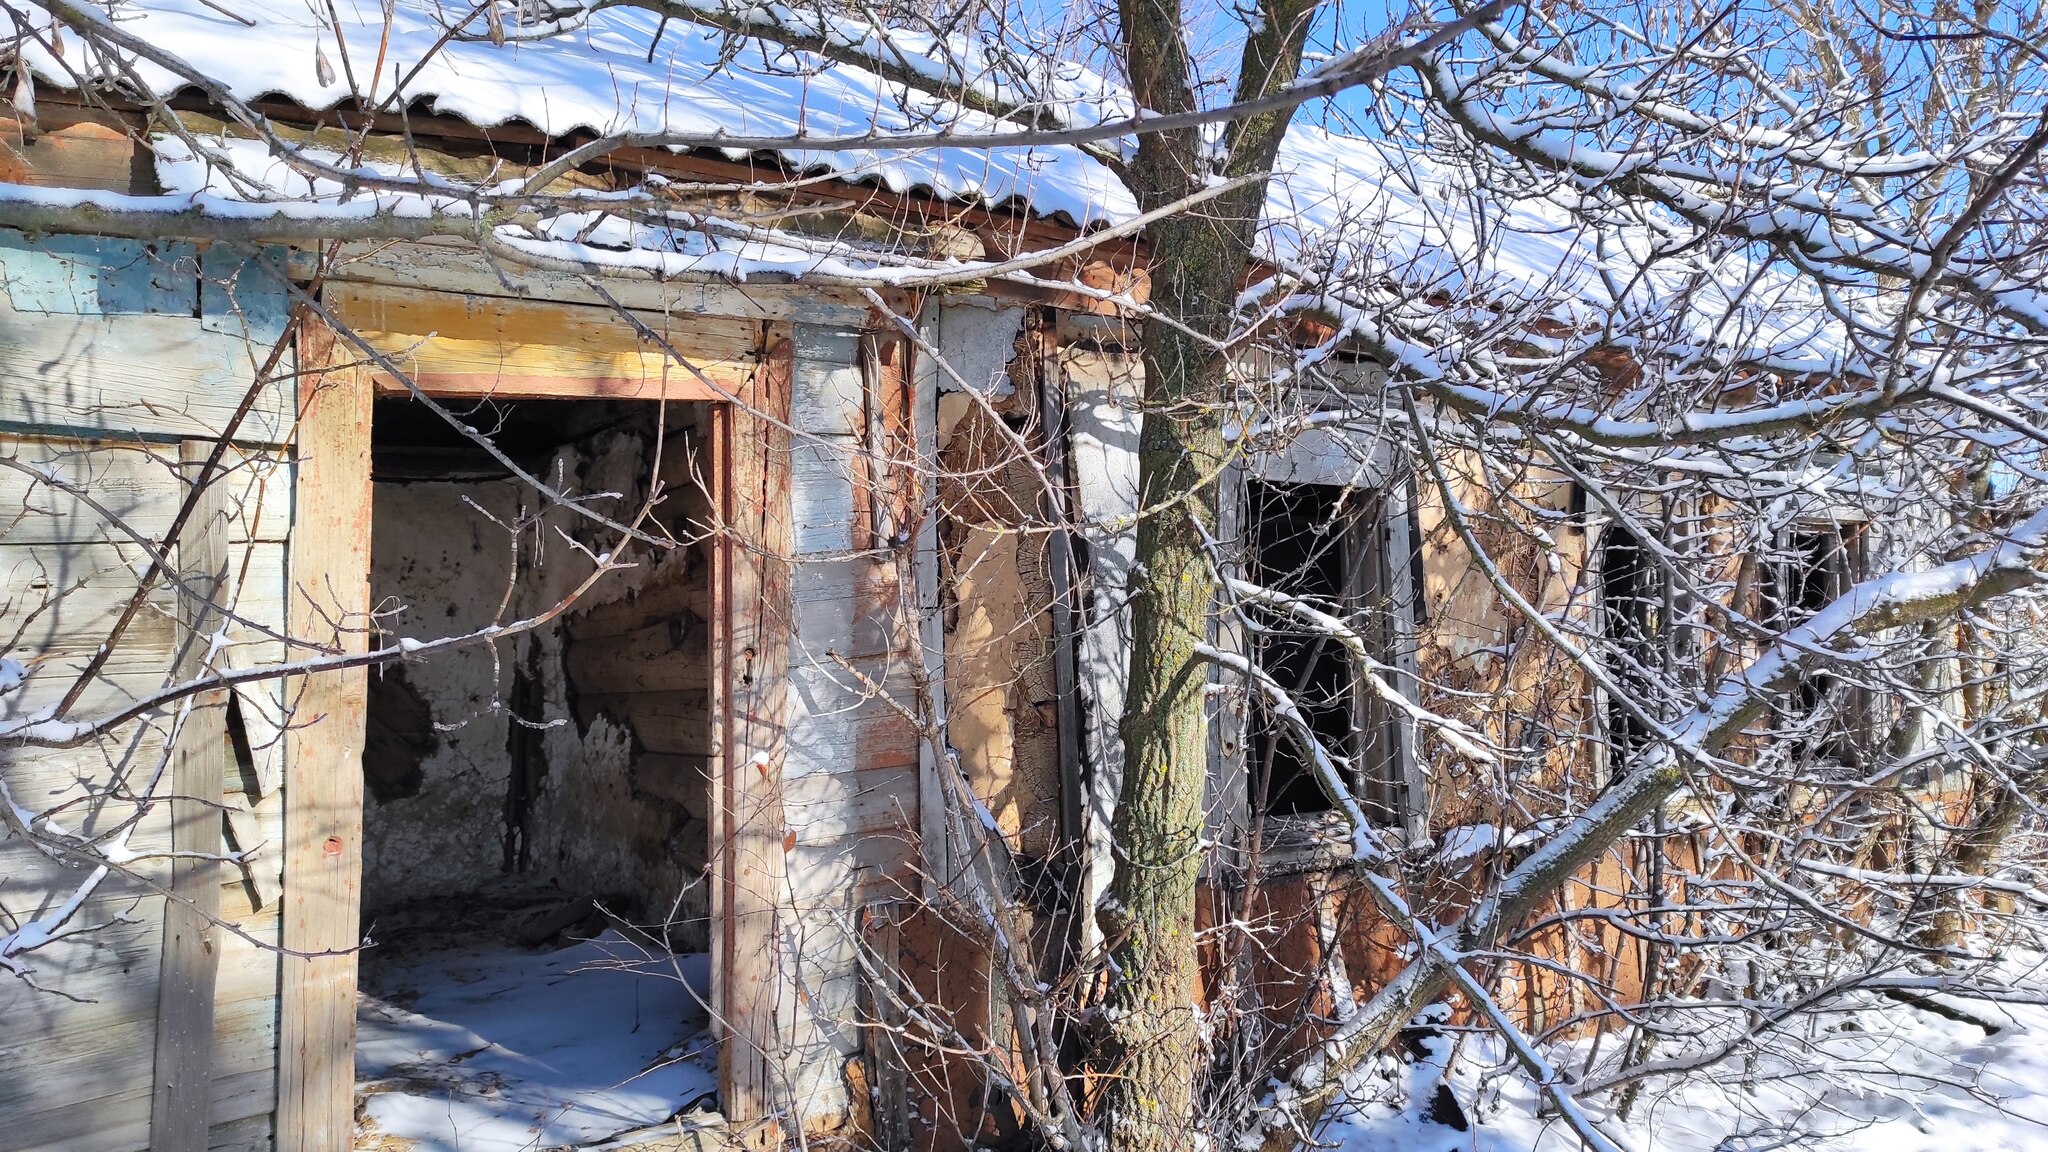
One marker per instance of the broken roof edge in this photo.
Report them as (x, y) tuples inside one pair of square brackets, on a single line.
[(828, 274)]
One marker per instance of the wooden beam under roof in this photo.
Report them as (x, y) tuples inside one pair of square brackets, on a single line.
[(466, 347)]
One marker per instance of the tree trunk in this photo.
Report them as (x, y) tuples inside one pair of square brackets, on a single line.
[(1153, 1059), (1154, 1050)]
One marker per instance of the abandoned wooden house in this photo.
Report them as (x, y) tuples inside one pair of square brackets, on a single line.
[(728, 721)]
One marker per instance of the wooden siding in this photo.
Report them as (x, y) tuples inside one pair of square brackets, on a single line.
[(751, 994), (119, 361), (323, 833), (850, 783), (455, 265), (120, 338)]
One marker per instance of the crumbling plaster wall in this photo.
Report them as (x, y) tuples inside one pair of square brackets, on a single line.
[(439, 568), (1002, 696), (513, 789)]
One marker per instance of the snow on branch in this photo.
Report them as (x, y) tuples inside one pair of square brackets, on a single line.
[(1893, 600)]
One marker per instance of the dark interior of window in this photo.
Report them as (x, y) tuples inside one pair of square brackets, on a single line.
[(1815, 565), (1633, 617), (1319, 541)]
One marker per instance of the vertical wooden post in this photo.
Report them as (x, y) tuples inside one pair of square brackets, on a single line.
[(1059, 559), (756, 543), (179, 1106), (1403, 576), (934, 839), (323, 794), (882, 927), (718, 436)]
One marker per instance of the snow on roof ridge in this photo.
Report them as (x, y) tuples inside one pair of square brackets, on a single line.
[(1333, 196)]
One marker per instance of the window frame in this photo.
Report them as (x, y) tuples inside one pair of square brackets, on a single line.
[(1302, 841)]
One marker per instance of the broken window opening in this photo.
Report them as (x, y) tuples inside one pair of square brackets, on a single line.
[(1635, 619), (1326, 543), (1825, 717)]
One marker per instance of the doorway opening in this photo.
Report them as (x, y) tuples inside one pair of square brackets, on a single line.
[(536, 808)]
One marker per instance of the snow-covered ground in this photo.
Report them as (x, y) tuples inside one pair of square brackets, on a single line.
[(500, 1048), (1886, 1077)]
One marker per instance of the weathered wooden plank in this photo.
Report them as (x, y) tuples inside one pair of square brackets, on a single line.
[(459, 267), (199, 761), (63, 612), (245, 1079), (848, 871), (98, 275), (36, 883), (1050, 385), (826, 975), (62, 603), (246, 1028), (113, 973), (324, 786), (120, 763), (754, 989), (50, 594), (91, 1060), (112, 1079), (976, 344), (828, 396), (827, 805), (253, 833), (828, 515), (1319, 455), (66, 1131), (134, 376), (128, 680), (242, 291), (851, 626), (138, 483), (936, 853), (249, 1134), (841, 724), (32, 883), (78, 147), (460, 346), (70, 595), (718, 765), (888, 1063)]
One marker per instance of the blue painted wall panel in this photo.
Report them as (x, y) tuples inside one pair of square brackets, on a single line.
[(98, 276), (242, 291), (149, 279)]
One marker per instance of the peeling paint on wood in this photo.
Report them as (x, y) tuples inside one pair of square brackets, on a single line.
[(462, 346)]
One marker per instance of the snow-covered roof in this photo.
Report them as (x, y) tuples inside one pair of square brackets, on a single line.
[(600, 78), (1408, 218)]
